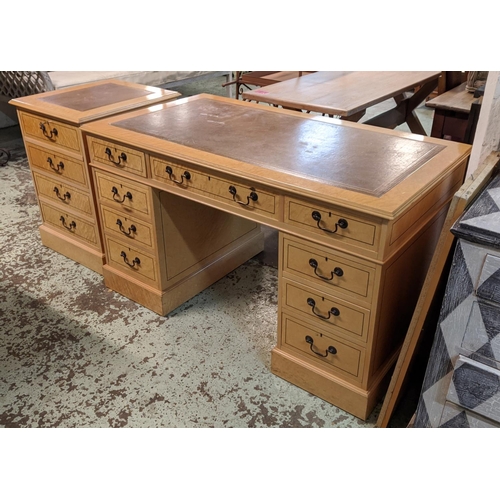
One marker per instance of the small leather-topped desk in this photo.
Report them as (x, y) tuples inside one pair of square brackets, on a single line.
[(358, 208)]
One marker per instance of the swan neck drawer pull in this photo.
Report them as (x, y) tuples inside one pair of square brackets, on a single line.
[(51, 134), (337, 271), (341, 223), (128, 195), (186, 175), (253, 196), (57, 167), (330, 350), (121, 156), (70, 227), (135, 262), (65, 197), (131, 229), (332, 312)]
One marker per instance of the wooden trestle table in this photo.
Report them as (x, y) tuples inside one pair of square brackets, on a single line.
[(348, 94), (182, 190)]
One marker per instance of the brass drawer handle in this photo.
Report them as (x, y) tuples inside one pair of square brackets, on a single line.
[(337, 271), (51, 134), (131, 229), (121, 156), (332, 312), (342, 223), (330, 350), (252, 196), (186, 175), (128, 195), (65, 197), (70, 227), (135, 262), (57, 167)]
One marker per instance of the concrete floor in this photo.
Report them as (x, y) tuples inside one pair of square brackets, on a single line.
[(75, 354)]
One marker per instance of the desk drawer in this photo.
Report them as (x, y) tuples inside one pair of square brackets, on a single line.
[(237, 193), (333, 223), (115, 155), (69, 223), (324, 350), (343, 318), (326, 267), (55, 163), (134, 262), (63, 194), (51, 131), (124, 226), (123, 194)]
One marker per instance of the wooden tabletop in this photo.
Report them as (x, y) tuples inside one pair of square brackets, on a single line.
[(457, 99), (342, 93)]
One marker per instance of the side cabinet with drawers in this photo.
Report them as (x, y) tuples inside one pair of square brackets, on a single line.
[(461, 386), (358, 209), (50, 123)]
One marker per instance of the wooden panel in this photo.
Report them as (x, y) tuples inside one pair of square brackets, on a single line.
[(345, 319), (50, 131), (74, 225), (130, 197), (356, 279), (56, 163), (344, 357), (63, 194), (116, 155)]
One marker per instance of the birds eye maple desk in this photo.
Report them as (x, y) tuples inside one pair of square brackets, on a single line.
[(358, 208)]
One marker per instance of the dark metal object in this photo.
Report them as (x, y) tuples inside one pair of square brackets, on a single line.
[(342, 223), (121, 156), (131, 229), (65, 197), (72, 224), (57, 167), (135, 262), (252, 196), (4, 157), (337, 271), (186, 175), (50, 134), (330, 350), (128, 195), (332, 312)]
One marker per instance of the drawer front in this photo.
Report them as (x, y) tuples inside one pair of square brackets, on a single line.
[(60, 165), (332, 223), (326, 350), (325, 267), (63, 194), (344, 318), (123, 194), (132, 261), (51, 131), (127, 227), (70, 223), (489, 280), (237, 194), (114, 155), (476, 387)]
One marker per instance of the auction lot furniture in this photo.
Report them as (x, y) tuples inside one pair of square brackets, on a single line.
[(348, 94), (455, 114), (462, 382), (184, 187), (50, 123)]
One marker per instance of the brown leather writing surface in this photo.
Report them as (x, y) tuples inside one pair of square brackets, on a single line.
[(369, 161), (96, 96)]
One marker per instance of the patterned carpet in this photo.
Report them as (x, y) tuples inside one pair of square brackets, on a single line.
[(75, 354)]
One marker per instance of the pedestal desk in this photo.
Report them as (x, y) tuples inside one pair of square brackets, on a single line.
[(358, 209), (50, 124)]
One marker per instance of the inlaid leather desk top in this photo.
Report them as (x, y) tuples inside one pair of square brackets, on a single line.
[(370, 168), (94, 100)]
